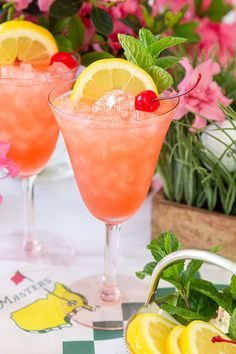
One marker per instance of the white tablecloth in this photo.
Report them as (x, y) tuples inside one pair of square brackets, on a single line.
[(59, 208)]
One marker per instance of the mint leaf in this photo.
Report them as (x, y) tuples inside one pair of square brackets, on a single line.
[(161, 77), (147, 270), (156, 48), (186, 314), (146, 37), (167, 62), (164, 245), (193, 267), (232, 326), (135, 51), (202, 305), (207, 288), (232, 287)]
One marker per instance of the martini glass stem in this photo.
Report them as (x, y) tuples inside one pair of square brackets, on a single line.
[(110, 292), (30, 242)]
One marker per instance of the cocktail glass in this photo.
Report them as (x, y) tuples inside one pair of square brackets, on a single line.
[(113, 164), (27, 123)]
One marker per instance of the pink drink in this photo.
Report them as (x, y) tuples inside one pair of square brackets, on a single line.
[(113, 150), (26, 121)]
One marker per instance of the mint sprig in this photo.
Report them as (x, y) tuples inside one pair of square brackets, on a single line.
[(194, 298), (145, 52)]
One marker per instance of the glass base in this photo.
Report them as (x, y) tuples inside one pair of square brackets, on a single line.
[(95, 313), (49, 249)]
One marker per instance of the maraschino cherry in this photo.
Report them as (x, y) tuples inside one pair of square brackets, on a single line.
[(148, 101), (65, 58)]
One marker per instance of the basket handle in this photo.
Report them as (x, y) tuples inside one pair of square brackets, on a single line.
[(177, 256)]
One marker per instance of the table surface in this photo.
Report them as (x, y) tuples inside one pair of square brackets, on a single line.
[(59, 208)]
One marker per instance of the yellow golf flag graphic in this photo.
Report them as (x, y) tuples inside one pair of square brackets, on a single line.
[(52, 312)]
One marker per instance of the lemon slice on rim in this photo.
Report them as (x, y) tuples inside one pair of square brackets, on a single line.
[(27, 42), (107, 74), (196, 339), (147, 333)]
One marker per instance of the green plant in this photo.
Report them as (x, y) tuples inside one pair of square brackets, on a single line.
[(192, 174), (193, 298)]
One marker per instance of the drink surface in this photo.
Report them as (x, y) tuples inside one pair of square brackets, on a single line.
[(113, 150), (26, 121)]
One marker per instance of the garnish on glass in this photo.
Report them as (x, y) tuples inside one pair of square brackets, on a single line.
[(65, 58), (148, 101)]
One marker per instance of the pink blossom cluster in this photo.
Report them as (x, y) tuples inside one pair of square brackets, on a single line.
[(6, 163), (202, 101), (23, 4)]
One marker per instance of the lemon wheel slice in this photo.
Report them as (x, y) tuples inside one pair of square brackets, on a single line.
[(107, 74), (147, 334), (173, 340), (196, 339), (27, 42)]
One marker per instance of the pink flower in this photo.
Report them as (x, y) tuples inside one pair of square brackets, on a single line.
[(218, 39), (203, 99), (6, 163), (21, 4), (44, 5)]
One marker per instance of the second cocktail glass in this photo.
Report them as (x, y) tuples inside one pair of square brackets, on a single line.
[(113, 163), (26, 122)]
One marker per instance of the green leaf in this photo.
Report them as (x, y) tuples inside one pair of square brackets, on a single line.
[(147, 270), (207, 288), (232, 287), (65, 8), (202, 305), (187, 30), (164, 245), (58, 25), (90, 57), (76, 32), (149, 20), (186, 314), (63, 43), (167, 61), (131, 21), (102, 20), (43, 21), (135, 51), (164, 43), (146, 37), (161, 77), (232, 326), (171, 19), (217, 10)]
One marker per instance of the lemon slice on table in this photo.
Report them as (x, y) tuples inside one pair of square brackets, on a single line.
[(27, 42), (196, 339), (107, 74), (147, 334), (173, 340)]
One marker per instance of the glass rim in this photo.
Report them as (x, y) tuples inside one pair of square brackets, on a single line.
[(76, 118), (22, 81)]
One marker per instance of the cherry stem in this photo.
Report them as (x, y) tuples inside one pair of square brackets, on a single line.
[(219, 339), (180, 94)]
